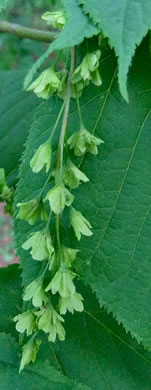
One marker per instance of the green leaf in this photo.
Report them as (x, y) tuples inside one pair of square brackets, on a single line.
[(125, 24), (115, 261), (38, 376), (78, 27), (10, 297), (16, 112)]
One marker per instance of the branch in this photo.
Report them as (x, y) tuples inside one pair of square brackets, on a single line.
[(26, 32)]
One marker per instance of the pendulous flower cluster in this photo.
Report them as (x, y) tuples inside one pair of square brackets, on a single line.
[(53, 293)]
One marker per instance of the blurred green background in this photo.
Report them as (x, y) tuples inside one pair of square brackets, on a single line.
[(16, 52)]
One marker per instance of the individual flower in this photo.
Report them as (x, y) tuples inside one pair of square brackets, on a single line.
[(83, 141), (29, 353), (80, 224), (69, 255), (25, 322), (41, 158), (55, 19), (62, 283), (73, 176), (50, 322), (40, 244), (88, 69), (58, 198), (71, 303), (46, 84), (35, 292), (31, 211)]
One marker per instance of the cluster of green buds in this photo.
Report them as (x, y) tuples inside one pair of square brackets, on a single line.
[(54, 293)]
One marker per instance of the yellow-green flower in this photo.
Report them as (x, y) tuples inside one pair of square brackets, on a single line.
[(50, 322), (58, 198), (55, 19), (62, 283), (73, 176), (83, 141), (31, 211), (25, 322), (71, 303), (40, 244), (35, 292), (80, 224), (29, 353), (46, 84), (88, 69), (41, 158)]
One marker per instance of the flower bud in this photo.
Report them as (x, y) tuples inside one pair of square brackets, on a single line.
[(40, 244), (29, 353), (58, 198), (31, 211), (62, 283), (55, 19), (71, 303), (46, 84), (35, 292), (25, 322), (80, 224), (73, 176), (83, 141), (41, 158)]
